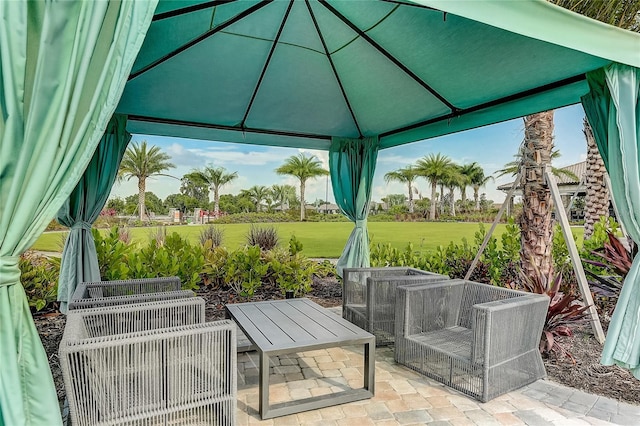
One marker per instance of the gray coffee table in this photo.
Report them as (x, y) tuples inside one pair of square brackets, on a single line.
[(297, 325)]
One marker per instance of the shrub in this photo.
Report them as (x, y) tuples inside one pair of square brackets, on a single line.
[(158, 236), (256, 218), (175, 257), (212, 233), (264, 237), (295, 274), (245, 270), (325, 269), (39, 277), (563, 314), (112, 254), (215, 265), (295, 246)]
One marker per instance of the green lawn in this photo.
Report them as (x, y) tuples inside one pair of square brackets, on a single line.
[(323, 239)]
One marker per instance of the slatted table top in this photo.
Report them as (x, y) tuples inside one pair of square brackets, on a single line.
[(281, 325)]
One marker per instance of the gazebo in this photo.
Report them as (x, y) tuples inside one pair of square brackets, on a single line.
[(345, 76)]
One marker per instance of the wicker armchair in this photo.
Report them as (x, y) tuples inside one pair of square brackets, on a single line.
[(110, 293), (149, 363), (369, 296), (479, 339)]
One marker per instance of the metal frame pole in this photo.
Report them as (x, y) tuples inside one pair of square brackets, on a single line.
[(576, 262)]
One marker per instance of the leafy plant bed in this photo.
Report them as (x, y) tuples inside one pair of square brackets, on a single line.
[(586, 374)]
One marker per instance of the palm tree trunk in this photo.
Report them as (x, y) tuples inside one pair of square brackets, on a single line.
[(302, 210), (441, 199), (216, 202), (141, 191), (452, 202), (476, 198), (597, 199), (410, 198), (463, 198), (432, 212), (535, 222)]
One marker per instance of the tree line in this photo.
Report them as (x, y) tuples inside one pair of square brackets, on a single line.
[(141, 161)]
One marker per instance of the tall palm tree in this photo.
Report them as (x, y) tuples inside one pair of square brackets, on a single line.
[(304, 168), (453, 180), (283, 195), (257, 194), (513, 167), (536, 226), (478, 180), (406, 175), (434, 169), (215, 178), (466, 174), (623, 14), (141, 163)]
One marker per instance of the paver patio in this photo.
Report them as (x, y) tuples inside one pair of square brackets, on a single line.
[(404, 397)]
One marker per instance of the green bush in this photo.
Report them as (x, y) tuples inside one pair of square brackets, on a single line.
[(245, 270), (112, 254), (295, 274), (39, 277), (255, 218), (174, 256)]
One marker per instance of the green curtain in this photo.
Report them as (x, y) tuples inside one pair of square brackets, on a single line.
[(63, 69), (79, 258), (613, 110), (352, 163)]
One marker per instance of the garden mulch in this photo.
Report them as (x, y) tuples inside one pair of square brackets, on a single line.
[(584, 372)]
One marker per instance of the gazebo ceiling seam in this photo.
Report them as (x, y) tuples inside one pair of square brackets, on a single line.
[(489, 104), (270, 40), (333, 68), (389, 56), (189, 9), (266, 63), (200, 38)]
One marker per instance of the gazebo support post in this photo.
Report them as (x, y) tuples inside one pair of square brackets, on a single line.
[(576, 262)]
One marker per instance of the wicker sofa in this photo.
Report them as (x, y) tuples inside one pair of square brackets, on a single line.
[(149, 363), (110, 293), (479, 339), (369, 296)]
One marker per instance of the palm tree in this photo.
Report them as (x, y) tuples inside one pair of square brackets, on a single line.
[(453, 180), (215, 178), (257, 194), (536, 226), (434, 169), (513, 167), (140, 162), (478, 180), (303, 168), (466, 173), (283, 194), (405, 175), (623, 14)]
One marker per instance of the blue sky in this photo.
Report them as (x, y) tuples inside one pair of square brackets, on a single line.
[(491, 146)]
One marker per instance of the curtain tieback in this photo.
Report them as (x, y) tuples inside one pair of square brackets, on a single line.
[(9, 270), (82, 225), (361, 223)]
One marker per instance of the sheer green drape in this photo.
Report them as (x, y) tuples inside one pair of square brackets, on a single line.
[(613, 110), (63, 69), (79, 258), (352, 163)]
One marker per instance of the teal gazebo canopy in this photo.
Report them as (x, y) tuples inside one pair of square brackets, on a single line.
[(348, 76), (297, 73)]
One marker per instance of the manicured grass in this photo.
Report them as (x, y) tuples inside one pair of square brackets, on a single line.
[(324, 239)]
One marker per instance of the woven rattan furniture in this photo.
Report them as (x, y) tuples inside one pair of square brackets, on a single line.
[(369, 296), (110, 293), (153, 363), (479, 339), (296, 325)]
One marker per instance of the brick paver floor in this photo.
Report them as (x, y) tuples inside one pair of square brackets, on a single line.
[(404, 397)]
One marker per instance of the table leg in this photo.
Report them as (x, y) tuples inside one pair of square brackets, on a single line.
[(264, 384), (370, 366)]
